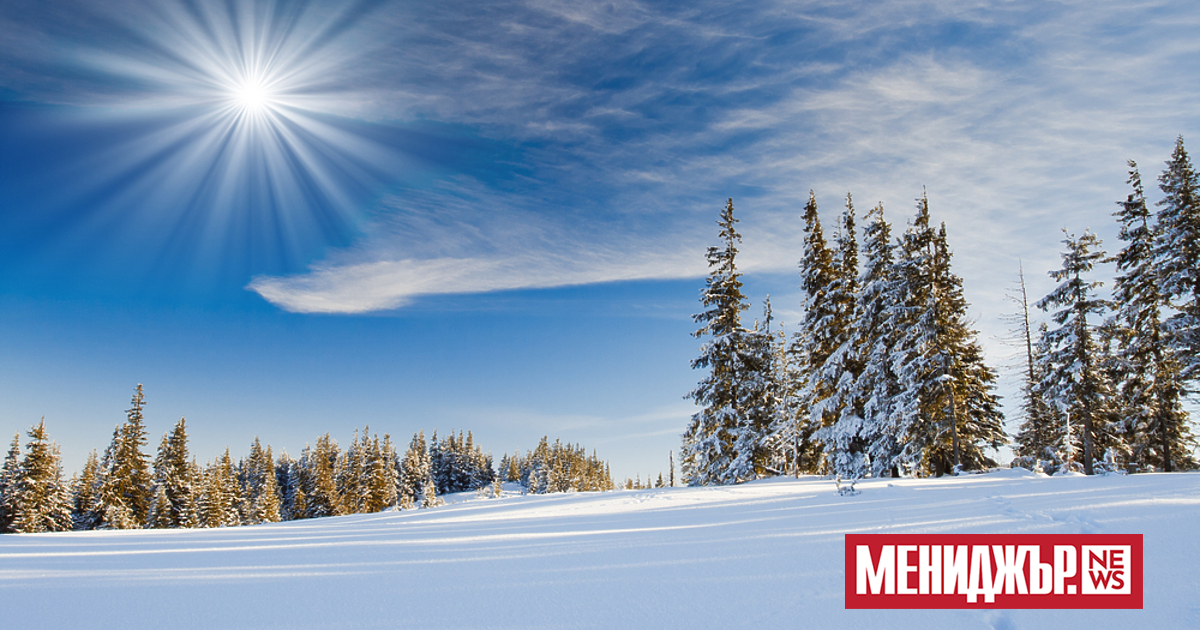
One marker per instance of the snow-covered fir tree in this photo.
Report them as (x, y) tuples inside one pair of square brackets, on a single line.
[(126, 492), (818, 338), (1072, 381), (946, 410), (287, 481), (259, 494), (1177, 256), (321, 491), (759, 389), (174, 503), (709, 444), (220, 494), (380, 475), (861, 437), (8, 484), (1146, 372), (836, 375), (348, 478), (42, 498), (417, 487)]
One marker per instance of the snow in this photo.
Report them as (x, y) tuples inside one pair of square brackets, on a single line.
[(762, 554)]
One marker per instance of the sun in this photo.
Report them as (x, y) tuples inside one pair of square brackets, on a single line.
[(252, 95)]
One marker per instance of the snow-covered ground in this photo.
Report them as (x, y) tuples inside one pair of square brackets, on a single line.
[(765, 554)]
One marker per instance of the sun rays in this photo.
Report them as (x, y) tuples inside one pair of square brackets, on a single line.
[(234, 149), (253, 95)]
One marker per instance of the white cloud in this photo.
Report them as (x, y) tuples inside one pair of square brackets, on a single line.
[(388, 284)]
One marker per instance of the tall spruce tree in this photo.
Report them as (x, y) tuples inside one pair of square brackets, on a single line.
[(916, 368), (1072, 381), (1177, 256), (126, 493), (817, 338), (967, 395), (946, 410), (844, 364), (43, 499), (861, 437), (174, 502), (1146, 369), (708, 450)]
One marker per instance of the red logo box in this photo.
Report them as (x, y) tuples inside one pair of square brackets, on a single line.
[(994, 571)]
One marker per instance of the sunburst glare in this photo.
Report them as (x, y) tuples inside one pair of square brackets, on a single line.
[(237, 149), (252, 95)]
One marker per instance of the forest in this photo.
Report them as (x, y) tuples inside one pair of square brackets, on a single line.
[(124, 489), (886, 375)]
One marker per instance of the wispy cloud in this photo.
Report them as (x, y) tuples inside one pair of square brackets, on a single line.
[(388, 284), (625, 125)]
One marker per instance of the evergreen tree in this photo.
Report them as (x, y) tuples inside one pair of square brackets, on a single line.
[(160, 511), (174, 502), (916, 317), (126, 493), (259, 493), (1177, 256), (946, 411), (220, 495), (286, 481), (459, 464), (88, 510), (417, 487), (43, 500), (8, 485), (844, 364), (379, 476), (321, 492), (1071, 380), (758, 391), (296, 499), (535, 474), (561, 467), (861, 436), (349, 478), (708, 448), (1147, 372), (818, 338)]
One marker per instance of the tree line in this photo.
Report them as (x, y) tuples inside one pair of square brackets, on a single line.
[(125, 489), (1107, 376), (886, 375)]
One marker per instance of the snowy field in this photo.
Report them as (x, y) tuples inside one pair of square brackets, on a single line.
[(766, 554)]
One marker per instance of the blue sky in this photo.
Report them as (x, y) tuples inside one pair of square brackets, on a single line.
[(494, 217)]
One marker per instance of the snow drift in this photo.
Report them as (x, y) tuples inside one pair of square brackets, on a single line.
[(763, 554)]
